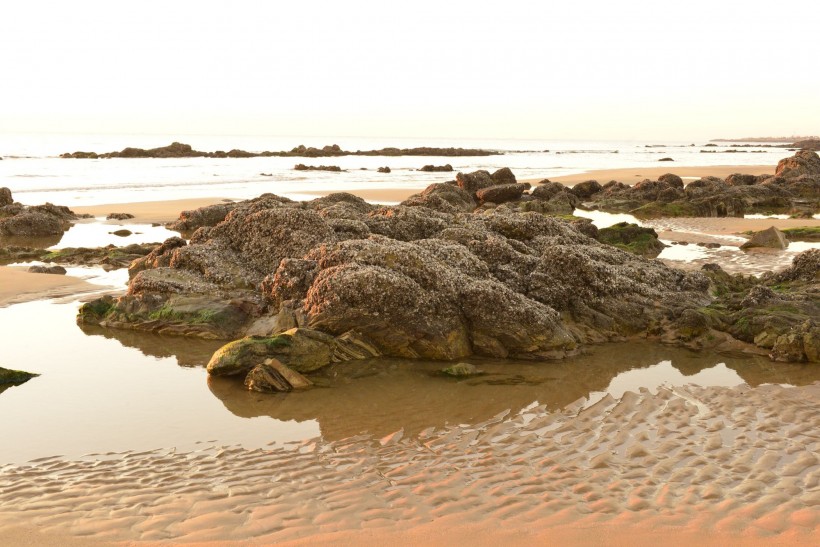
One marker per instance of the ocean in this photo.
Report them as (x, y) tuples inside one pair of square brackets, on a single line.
[(36, 174)]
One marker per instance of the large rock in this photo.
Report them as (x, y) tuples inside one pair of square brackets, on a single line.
[(632, 238), (5, 197), (804, 162), (31, 224), (475, 181), (770, 238), (303, 350), (586, 189)]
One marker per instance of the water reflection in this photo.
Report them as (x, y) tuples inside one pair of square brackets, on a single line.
[(380, 397)]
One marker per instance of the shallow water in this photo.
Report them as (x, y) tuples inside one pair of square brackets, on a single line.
[(108, 390)]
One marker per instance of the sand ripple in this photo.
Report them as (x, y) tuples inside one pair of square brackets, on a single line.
[(739, 461)]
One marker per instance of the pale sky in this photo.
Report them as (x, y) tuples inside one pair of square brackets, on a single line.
[(571, 69)]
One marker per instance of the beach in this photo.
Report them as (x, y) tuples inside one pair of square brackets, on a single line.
[(633, 175), (693, 452)]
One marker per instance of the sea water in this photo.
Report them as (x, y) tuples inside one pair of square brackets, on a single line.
[(33, 170)]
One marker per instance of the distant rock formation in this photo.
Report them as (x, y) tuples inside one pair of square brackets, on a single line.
[(179, 150)]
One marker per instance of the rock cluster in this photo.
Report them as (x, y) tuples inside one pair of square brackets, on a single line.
[(20, 220), (180, 150), (795, 188), (428, 278)]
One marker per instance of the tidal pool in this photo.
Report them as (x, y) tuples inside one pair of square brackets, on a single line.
[(113, 391)]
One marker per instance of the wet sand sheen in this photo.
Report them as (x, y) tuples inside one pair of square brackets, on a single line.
[(737, 463), (17, 285)]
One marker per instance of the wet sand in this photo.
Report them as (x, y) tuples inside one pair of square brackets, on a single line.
[(699, 229), (17, 285), (720, 466), (632, 175), (160, 212)]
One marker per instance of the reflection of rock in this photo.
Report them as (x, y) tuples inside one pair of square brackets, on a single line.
[(189, 352), (374, 396)]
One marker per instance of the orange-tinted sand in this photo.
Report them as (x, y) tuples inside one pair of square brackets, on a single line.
[(159, 212), (17, 285), (687, 465)]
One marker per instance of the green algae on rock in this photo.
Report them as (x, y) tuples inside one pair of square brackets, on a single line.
[(9, 376)]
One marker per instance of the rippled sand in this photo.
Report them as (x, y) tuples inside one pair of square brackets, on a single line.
[(737, 464)]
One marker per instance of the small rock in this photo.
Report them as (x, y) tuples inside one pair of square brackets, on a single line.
[(273, 376), (56, 270), (666, 159), (119, 216), (383, 169), (122, 233), (460, 370)]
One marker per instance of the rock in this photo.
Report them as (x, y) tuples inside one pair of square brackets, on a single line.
[(504, 176), (119, 216), (54, 270), (383, 169), (771, 238), (204, 216), (738, 179), (8, 376), (460, 370), (437, 168), (303, 350), (31, 224), (5, 197), (475, 181), (586, 189), (672, 180), (303, 167), (445, 198), (666, 159), (273, 376), (122, 233), (502, 193), (804, 162), (808, 144), (632, 238)]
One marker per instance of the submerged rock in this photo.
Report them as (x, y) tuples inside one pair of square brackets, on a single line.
[(460, 370), (54, 270)]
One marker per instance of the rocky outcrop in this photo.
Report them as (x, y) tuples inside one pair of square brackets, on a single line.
[(179, 150), (303, 167), (776, 314), (808, 144), (5, 197), (770, 238), (119, 216), (502, 193), (33, 221), (425, 279), (804, 162), (437, 168), (586, 189), (795, 189), (53, 270), (211, 215)]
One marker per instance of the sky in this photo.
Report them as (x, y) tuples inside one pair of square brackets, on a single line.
[(540, 70)]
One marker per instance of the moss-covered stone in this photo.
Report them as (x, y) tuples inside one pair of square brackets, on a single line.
[(460, 370), (632, 238), (805, 233)]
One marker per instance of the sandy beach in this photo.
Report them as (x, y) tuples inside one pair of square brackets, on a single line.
[(17, 285), (149, 212), (713, 466)]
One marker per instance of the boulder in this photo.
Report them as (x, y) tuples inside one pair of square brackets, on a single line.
[(672, 180), (804, 162), (303, 350), (445, 198), (5, 197), (632, 238), (31, 224), (770, 238), (475, 181), (273, 376), (502, 193), (738, 179), (204, 216), (586, 189), (504, 176)]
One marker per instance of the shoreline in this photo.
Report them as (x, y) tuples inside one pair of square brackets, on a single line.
[(18, 286)]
